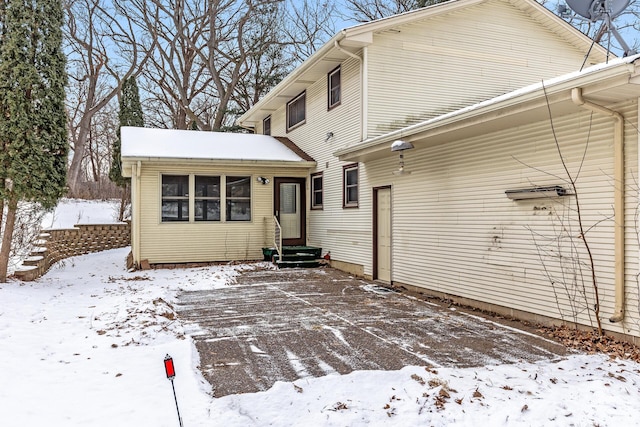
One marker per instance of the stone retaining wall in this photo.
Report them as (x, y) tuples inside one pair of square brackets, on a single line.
[(56, 245)]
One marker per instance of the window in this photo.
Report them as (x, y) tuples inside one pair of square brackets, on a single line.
[(316, 191), (266, 126), (207, 198), (238, 198), (334, 88), (296, 111), (350, 186), (175, 198)]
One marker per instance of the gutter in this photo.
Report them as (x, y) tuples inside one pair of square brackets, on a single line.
[(135, 174), (618, 204), (225, 162)]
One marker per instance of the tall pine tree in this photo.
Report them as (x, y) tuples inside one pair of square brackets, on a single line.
[(130, 114), (33, 131)]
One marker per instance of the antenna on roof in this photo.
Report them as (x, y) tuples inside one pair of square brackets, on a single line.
[(599, 10)]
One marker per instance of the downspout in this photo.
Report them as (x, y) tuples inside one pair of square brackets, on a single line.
[(136, 169), (618, 203), (363, 87)]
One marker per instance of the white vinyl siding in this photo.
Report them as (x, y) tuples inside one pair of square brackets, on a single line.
[(451, 61), (344, 232), (455, 231)]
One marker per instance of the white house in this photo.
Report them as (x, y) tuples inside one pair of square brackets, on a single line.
[(499, 104)]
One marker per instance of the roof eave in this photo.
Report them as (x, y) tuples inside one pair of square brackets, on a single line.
[(246, 121), (379, 147), (361, 35), (127, 161)]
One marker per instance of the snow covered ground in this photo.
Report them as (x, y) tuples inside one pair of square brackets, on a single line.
[(70, 212), (84, 346)]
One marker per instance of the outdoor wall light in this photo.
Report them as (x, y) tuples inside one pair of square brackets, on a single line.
[(262, 180), (329, 136), (536, 192), (400, 146)]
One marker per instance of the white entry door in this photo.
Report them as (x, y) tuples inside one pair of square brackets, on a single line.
[(290, 210), (383, 234)]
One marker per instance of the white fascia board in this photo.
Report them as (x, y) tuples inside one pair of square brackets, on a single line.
[(303, 164)]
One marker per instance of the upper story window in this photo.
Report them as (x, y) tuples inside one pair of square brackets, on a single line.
[(207, 198), (316, 191), (350, 186), (175, 198), (296, 111), (266, 126), (334, 88)]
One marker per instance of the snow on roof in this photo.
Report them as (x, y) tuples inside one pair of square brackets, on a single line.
[(189, 144)]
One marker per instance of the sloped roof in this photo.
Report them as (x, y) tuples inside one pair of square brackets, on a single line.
[(149, 143), (605, 84), (350, 40)]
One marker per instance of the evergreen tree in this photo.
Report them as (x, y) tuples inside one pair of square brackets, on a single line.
[(33, 131), (130, 114)]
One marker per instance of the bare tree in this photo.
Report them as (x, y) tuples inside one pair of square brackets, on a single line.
[(102, 48), (308, 25), (175, 79), (235, 33), (370, 10), (565, 254)]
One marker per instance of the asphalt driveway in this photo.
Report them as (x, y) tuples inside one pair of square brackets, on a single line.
[(284, 325)]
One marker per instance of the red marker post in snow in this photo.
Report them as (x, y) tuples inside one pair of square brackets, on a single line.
[(171, 373)]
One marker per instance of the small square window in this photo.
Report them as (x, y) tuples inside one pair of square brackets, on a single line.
[(334, 86), (316, 191), (350, 186), (296, 111)]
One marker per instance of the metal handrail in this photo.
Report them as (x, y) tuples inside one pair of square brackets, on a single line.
[(277, 240)]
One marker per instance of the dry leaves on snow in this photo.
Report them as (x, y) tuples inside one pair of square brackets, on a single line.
[(591, 342)]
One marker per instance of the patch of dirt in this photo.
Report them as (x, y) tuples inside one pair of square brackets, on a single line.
[(591, 342)]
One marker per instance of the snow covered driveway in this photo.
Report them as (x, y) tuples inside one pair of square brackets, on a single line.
[(287, 325)]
